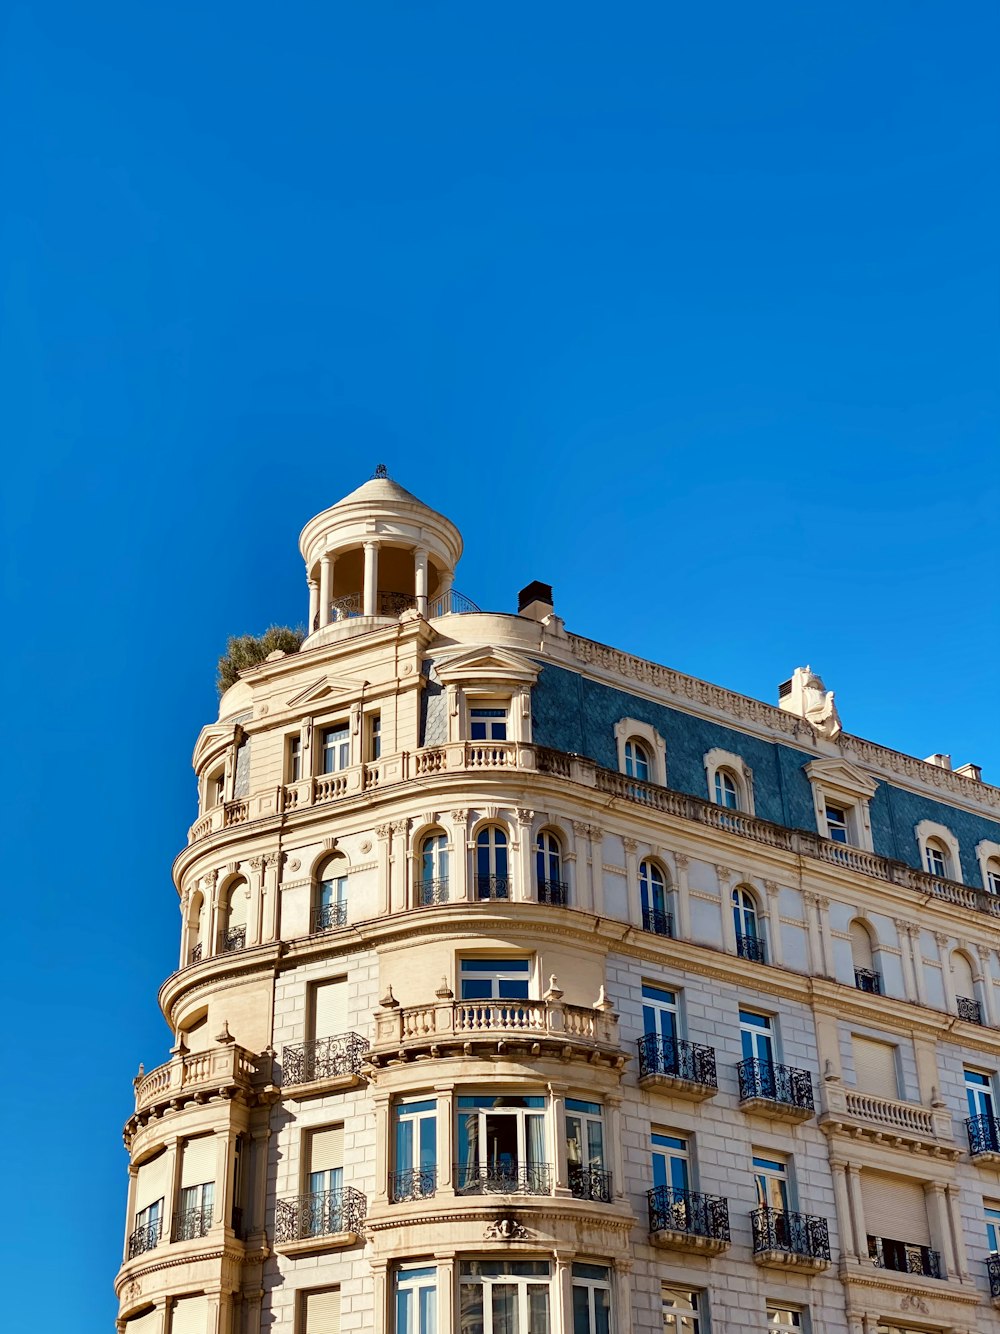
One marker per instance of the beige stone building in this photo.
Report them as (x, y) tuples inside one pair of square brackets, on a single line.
[(528, 987)]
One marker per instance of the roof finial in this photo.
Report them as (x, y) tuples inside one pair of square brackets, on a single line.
[(380, 471)]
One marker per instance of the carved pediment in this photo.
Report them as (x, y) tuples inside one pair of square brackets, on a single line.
[(326, 686), (485, 662), (843, 775)]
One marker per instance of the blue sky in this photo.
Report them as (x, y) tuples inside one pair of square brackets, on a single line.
[(690, 310)]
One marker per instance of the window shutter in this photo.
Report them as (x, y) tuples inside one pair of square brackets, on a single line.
[(198, 1161), (323, 1312), (861, 947), (153, 1182), (238, 904), (190, 1315), (150, 1322), (326, 1149), (894, 1207), (330, 1009), (962, 975), (875, 1068)]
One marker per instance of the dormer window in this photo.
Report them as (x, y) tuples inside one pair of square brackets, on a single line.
[(637, 761), (936, 859), (940, 855), (488, 724), (730, 781), (842, 794), (725, 790), (837, 824)]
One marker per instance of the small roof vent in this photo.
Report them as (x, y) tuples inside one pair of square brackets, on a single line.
[(535, 601), (974, 771), (942, 761)]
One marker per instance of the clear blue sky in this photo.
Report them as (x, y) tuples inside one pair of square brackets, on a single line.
[(691, 310)]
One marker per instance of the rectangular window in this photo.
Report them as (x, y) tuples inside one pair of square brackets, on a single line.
[(322, 1211), (294, 758), (588, 1179), (329, 1008), (684, 1311), (875, 1067), (504, 1297), (979, 1093), (335, 748), (415, 1176), (591, 1299), (375, 736), (416, 1300), (837, 826), (757, 1036), (659, 1012), (783, 1318), (502, 1147), (991, 1213), (495, 979), (670, 1161), (321, 1312), (190, 1315), (771, 1179), (488, 724)]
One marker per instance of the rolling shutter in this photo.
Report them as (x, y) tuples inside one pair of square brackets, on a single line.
[(330, 1009), (326, 1149), (237, 905), (150, 1322), (323, 1312), (198, 1162), (153, 1182), (962, 975), (895, 1208), (190, 1315), (875, 1067), (861, 947)]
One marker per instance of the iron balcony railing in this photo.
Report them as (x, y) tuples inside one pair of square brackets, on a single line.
[(904, 1257), (588, 1183), (413, 1183), (984, 1134), (993, 1270), (554, 892), (144, 1238), (775, 1083), (323, 1058), (386, 604), (235, 939), (503, 1179), (751, 948), (433, 891), (969, 1009), (660, 923), (866, 979), (329, 917), (191, 1224), (492, 886), (451, 604), (795, 1234), (196, 953), (323, 1214), (678, 1058), (689, 1212)]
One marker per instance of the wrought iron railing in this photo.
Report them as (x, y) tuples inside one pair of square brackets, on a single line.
[(678, 1058), (688, 1212), (904, 1257), (329, 917), (451, 604), (984, 1134), (795, 1234), (660, 923), (993, 1272), (414, 1183), (323, 1058), (492, 886), (386, 604), (751, 948), (324, 1214), (145, 1237), (191, 1224), (196, 952), (554, 892), (969, 1009), (775, 1083), (867, 979), (588, 1183), (235, 939), (433, 891), (503, 1179)]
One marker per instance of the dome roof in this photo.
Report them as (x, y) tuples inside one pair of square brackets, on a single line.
[(381, 488)]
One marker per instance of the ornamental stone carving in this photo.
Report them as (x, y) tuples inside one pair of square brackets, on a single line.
[(807, 696), (506, 1229)]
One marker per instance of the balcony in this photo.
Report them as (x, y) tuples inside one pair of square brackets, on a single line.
[(503, 1179), (782, 1240), (329, 917), (968, 1009), (587, 1183), (415, 1183), (775, 1090), (683, 1067), (984, 1139), (191, 1224), (234, 939), (751, 948), (228, 1069), (335, 1062), (319, 1221), (904, 1257), (686, 1220), (471, 1028), (659, 923), (886, 1122), (492, 886), (993, 1273), (145, 1238), (430, 892), (351, 605), (553, 892), (866, 979)]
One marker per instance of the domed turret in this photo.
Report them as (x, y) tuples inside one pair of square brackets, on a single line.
[(375, 554)]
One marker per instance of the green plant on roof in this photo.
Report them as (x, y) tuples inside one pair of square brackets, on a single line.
[(243, 651)]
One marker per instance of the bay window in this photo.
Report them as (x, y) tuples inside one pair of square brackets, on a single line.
[(591, 1299), (504, 1297), (501, 1146)]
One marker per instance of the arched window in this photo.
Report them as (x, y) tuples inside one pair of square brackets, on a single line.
[(492, 875), (432, 871), (196, 918), (993, 876), (936, 859), (653, 896), (746, 919), (726, 791), (637, 760), (966, 1001), (549, 869), (866, 976), (234, 936), (330, 905)]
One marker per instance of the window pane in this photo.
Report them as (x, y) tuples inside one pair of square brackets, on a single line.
[(581, 1310)]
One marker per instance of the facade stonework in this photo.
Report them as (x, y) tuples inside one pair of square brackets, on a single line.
[(526, 987)]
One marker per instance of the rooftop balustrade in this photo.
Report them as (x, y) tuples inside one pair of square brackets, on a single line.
[(226, 1066)]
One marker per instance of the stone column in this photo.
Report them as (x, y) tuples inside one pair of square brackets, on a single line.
[(384, 1320), (597, 867), (270, 894), (953, 1212), (773, 922), (445, 1094), (446, 1294), (812, 928), (256, 1205), (613, 1102), (420, 579), (384, 1142), (857, 1210), (918, 964), (225, 1154), (133, 1177), (986, 986), (313, 605), (848, 1246), (622, 1294), (826, 940), (458, 861), (383, 833), (370, 604), (584, 877), (632, 882), (397, 861), (681, 864), (557, 1138), (940, 1225), (523, 887), (906, 959), (173, 1188), (942, 943), (562, 1293), (255, 881), (325, 589), (726, 899)]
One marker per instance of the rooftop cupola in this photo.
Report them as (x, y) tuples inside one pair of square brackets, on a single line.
[(375, 554)]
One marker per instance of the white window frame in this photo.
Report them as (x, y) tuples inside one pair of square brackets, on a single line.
[(987, 852), (294, 754), (494, 707), (591, 1285), (718, 761), (631, 729), (785, 1319), (991, 1217), (927, 832), (683, 1320), (772, 1169), (341, 750), (850, 789), (521, 1282), (416, 1279)]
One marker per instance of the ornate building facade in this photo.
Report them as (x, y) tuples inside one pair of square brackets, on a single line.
[(528, 987)]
